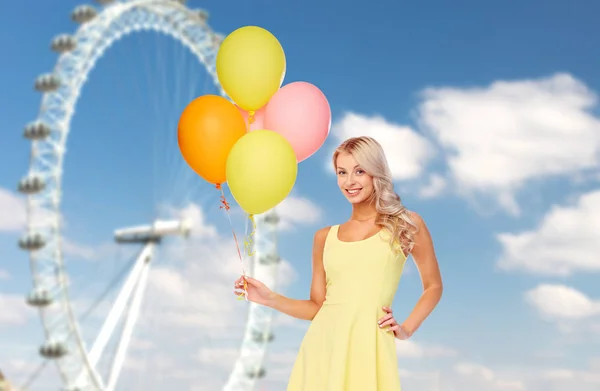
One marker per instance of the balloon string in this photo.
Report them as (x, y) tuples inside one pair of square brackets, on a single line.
[(225, 206), (249, 240)]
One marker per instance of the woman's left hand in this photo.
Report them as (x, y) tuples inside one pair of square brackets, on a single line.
[(399, 330)]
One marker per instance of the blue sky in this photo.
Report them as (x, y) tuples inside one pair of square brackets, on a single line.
[(490, 119)]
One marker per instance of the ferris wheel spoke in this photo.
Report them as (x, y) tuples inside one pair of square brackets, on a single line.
[(119, 306), (130, 321)]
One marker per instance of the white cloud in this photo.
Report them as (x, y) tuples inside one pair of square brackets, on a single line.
[(279, 364), (85, 252), (595, 364), (191, 315), (487, 378), (411, 349), (560, 379), (473, 376), (407, 151), (498, 138), (565, 241), (196, 217), (13, 218), (436, 185), (559, 302), (4, 275), (423, 380), (14, 311), (470, 376), (12, 211), (569, 374), (298, 211), (18, 370), (191, 324), (219, 356)]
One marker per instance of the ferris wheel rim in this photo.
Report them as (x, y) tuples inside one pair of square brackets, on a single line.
[(103, 42), (43, 153)]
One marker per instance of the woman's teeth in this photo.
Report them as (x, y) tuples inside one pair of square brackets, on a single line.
[(353, 191)]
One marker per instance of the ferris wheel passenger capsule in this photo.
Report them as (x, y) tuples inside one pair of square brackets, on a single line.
[(32, 241), (83, 14), (271, 218), (262, 337), (53, 350), (36, 131), (269, 259), (202, 15), (31, 184), (39, 298), (256, 373), (63, 43), (47, 83)]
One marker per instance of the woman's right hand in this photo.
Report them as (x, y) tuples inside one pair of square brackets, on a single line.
[(257, 291)]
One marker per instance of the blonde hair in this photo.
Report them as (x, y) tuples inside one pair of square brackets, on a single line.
[(391, 214)]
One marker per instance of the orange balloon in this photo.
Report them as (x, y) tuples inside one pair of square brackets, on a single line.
[(208, 128)]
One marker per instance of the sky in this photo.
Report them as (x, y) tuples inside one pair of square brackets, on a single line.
[(489, 116)]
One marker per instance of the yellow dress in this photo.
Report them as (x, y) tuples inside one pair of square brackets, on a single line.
[(344, 349)]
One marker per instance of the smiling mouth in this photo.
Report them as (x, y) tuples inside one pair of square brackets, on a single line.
[(353, 192)]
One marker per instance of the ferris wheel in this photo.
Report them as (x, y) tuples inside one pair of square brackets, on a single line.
[(77, 363)]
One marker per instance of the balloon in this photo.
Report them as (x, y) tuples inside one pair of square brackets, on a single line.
[(259, 117), (261, 170), (208, 128), (250, 66), (300, 112)]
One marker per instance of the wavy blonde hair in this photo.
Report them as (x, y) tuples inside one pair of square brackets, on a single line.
[(391, 214)]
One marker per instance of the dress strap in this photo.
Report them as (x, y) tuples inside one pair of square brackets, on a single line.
[(332, 234), (334, 231)]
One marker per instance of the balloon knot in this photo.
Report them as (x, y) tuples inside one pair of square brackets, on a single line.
[(251, 116), (224, 203)]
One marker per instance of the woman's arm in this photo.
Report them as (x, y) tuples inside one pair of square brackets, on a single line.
[(307, 309), (426, 261)]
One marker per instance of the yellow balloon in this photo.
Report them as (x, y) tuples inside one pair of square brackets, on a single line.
[(251, 66), (261, 170)]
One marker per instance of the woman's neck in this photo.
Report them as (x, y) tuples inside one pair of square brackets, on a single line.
[(363, 212)]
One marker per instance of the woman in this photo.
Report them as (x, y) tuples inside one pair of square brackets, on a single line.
[(357, 265)]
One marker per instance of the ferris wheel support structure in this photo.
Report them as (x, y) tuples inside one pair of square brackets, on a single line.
[(78, 53), (265, 266)]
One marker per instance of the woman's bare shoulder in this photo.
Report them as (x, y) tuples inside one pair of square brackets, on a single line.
[(415, 218), (321, 234)]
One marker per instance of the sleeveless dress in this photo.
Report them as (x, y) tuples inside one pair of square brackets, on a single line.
[(344, 349)]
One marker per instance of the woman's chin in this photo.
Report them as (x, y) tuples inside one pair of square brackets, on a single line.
[(356, 200)]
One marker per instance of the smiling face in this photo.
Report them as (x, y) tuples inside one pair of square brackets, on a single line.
[(354, 182)]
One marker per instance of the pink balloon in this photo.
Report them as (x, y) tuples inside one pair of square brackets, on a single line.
[(259, 118), (299, 111)]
